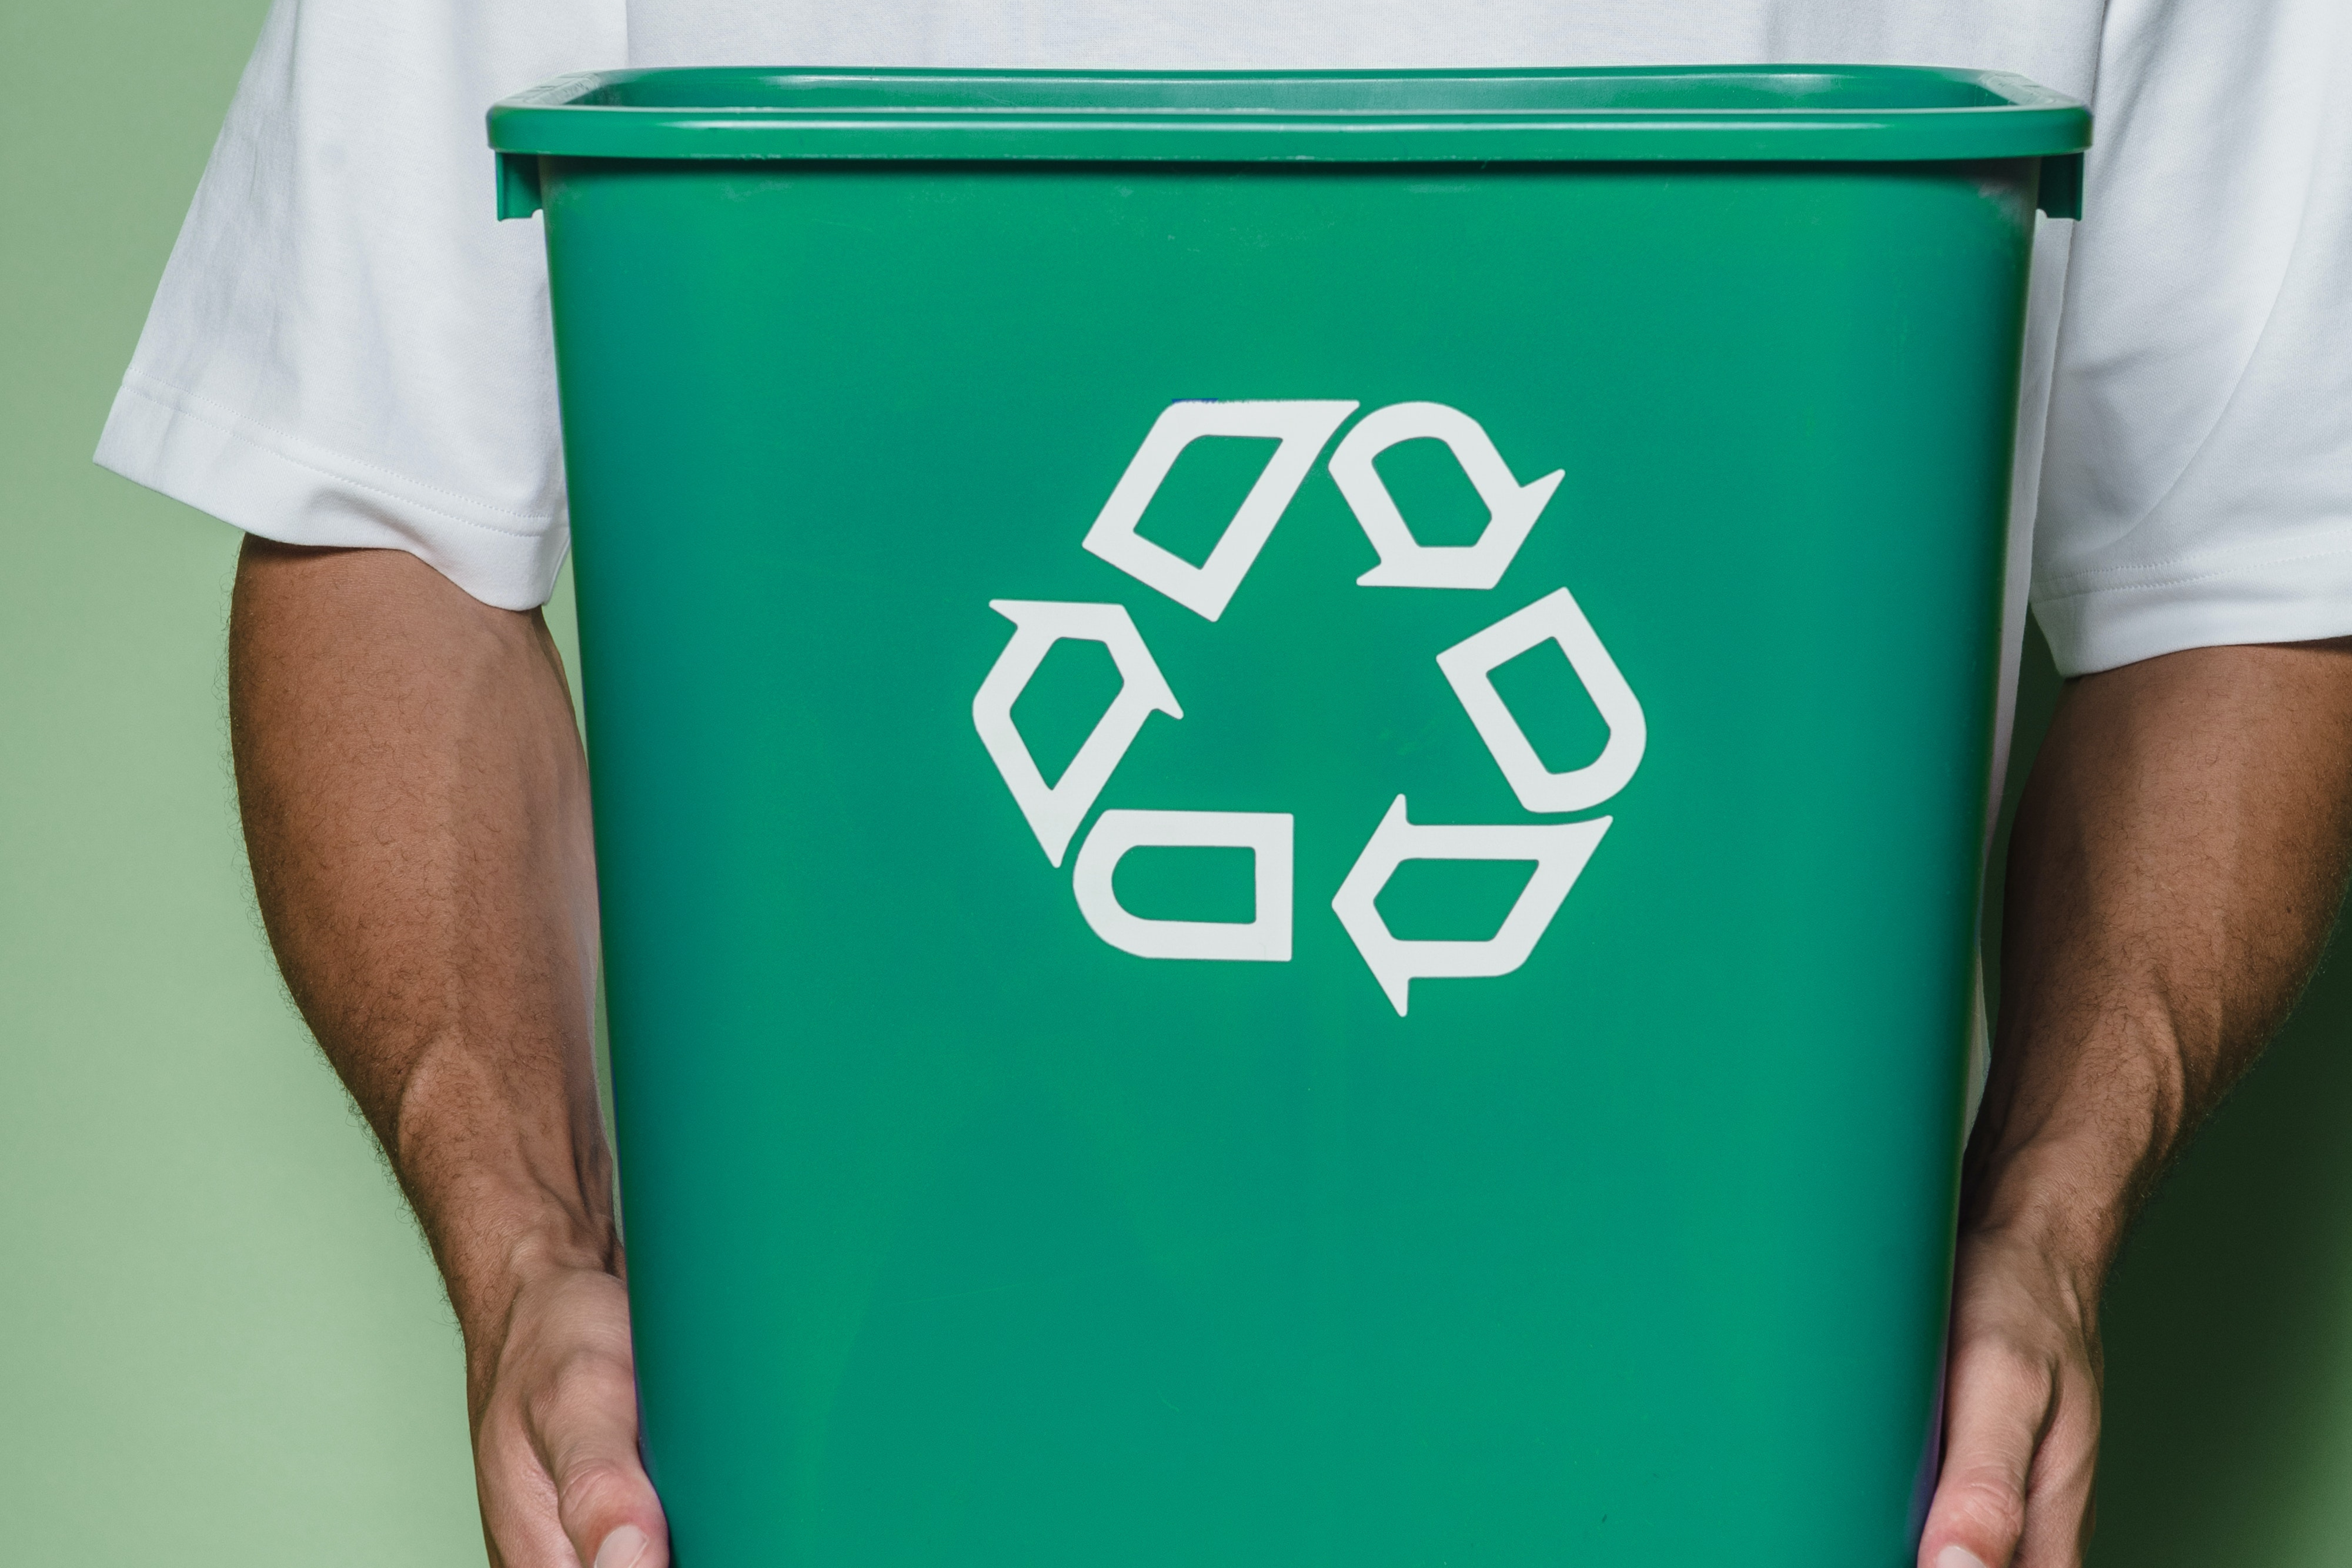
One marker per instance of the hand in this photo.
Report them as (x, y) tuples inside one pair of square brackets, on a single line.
[(552, 1390), (2021, 1410)]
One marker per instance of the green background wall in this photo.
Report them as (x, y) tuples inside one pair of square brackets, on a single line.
[(221, 1342)]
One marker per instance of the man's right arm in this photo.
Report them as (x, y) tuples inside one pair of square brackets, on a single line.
[(416, 806)]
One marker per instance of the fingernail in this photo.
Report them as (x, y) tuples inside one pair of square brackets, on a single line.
[(626, 1546), (1949, 1557)]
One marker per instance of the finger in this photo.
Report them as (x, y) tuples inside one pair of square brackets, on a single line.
[(2000, 1400), (584, 1426)]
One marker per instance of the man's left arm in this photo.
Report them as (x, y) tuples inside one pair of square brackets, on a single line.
[(2176, 863)]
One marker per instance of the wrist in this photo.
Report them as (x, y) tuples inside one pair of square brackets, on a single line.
[(2073, 1135), (2062, 1201), (514, 1265), (496, 1241), (505, 1193)]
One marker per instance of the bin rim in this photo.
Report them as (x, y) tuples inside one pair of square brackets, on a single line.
[(1739, 113)]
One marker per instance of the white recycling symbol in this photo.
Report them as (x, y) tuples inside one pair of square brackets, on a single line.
[(1302, 428)]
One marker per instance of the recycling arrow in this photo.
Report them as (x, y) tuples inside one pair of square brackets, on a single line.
[(1406, 563), (1560, 851)]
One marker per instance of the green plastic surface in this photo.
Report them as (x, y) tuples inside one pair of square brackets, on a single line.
[(1871, 113), (958, 1234)]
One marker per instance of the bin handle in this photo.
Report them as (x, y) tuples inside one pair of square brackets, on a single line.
[(518, 184), (2061, 194)]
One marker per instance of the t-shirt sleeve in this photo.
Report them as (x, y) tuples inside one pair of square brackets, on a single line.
[(347, 347), (2196, 488)]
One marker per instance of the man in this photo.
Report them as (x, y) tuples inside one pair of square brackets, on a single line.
[(350, 360)]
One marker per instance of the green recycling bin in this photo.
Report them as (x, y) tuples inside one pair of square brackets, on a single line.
[(1288, 776)]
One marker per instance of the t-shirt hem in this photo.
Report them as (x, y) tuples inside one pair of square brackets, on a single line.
[(279, 487), (2301, 595)]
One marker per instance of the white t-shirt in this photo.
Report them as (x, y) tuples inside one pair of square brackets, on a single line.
[(347, 348)]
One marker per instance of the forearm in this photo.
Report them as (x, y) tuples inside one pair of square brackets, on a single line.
[(2176, 866), (416, 809)]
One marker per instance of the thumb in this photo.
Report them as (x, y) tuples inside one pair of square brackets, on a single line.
[(585, 1428), (2000, 1402)]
